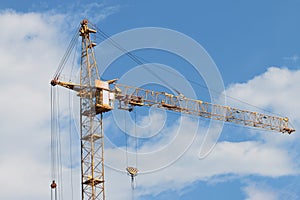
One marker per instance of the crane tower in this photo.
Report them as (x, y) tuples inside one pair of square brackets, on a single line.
[(97, 97), (92, 105)]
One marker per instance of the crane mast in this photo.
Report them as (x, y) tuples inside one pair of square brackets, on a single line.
[(91, 126), (97, 97)]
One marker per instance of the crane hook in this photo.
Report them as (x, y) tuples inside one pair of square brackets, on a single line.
[(53, 185), (132, 172), (53, 190)]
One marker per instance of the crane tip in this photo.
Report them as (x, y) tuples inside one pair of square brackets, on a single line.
[(288, 130)]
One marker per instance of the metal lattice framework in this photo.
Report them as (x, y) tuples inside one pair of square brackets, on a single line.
[(97, 97), (129, 96), (92, 165)]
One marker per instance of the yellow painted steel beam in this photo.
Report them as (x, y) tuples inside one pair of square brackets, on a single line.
[(128, 96)]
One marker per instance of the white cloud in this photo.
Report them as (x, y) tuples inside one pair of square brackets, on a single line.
[(30, 48), (260, 192), (95, 12), (271, 155), (98, 12), (275, 90), (237, 158)]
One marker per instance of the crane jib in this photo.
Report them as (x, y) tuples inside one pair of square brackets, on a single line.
[(127, 97)]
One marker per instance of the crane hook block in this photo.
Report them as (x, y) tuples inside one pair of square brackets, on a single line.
[(132, 171), (53, 185)]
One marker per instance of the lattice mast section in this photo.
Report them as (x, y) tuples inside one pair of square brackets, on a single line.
[(95, 99), (92, 144)]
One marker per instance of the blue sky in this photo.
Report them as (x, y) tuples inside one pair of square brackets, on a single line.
[(255, 46)]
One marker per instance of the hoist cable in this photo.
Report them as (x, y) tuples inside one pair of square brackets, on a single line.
[(52, 137), (70, 147), (56, 151), (70, 125), (136, 140), (66, 55), (126, 138), (59, 149), (210, 90), (141, 61), (136, 151), (133, 57), (74, 61), (54, 140), (54, 194)]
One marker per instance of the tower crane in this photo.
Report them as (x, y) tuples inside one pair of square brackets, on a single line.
[(97, 97)]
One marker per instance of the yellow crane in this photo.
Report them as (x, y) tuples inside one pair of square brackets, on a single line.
[(97, 97)]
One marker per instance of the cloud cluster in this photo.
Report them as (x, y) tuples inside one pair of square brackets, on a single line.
[(270, 155), (259, 192), (235, 158), (30, 49), (31, 46), (274, 90)]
